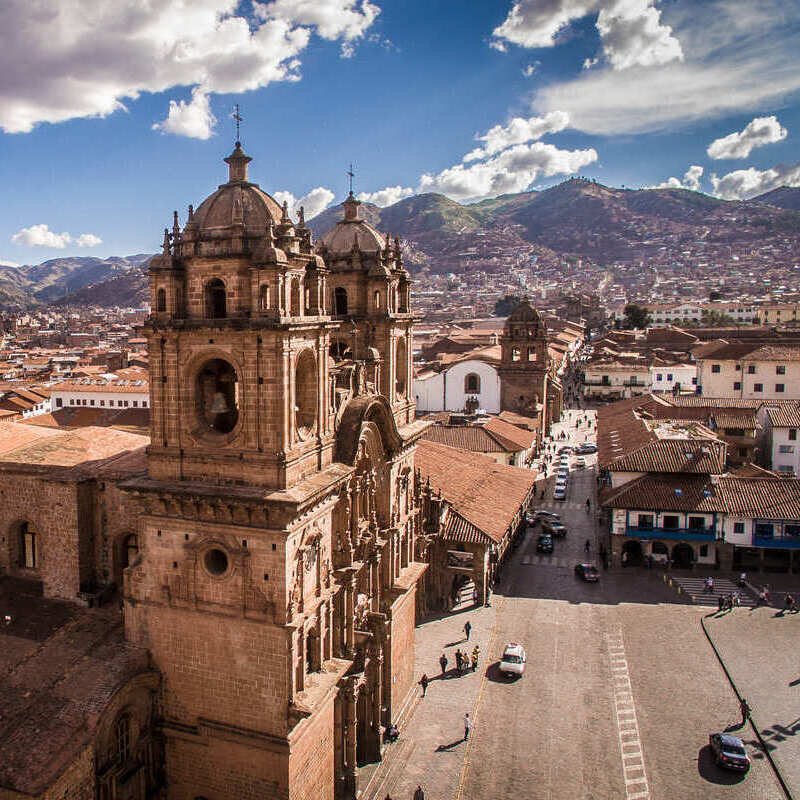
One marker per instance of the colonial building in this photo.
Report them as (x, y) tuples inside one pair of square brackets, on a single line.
[(269, 542), (276, 590)]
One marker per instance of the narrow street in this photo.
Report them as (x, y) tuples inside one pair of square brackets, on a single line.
[(619, 695)]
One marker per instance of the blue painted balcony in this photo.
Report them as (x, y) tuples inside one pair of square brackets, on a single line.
[(777, 542), (676, 534)]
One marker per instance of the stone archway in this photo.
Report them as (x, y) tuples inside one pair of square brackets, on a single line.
[(631, 553)]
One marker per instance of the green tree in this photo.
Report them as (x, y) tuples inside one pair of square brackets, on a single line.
[(637, 316), (505, 305)]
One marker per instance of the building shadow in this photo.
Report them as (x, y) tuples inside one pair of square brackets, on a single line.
[(709, 771)]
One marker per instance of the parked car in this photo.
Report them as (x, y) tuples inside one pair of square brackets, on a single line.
[(542, 515), (729, 752), (560, 493), (586, 448), (580, 463), (513, 661), (544, 544), (554, 529), (587, 572), (565, 449)]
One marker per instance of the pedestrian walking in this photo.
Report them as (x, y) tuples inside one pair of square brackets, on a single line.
[(766, 594), (475, 654), (443, 663), (419, 794), (467, 725), (720, 602), (587, 546), (467, 629), (475, 596), (423, 682), (459, 659), (744, 707)]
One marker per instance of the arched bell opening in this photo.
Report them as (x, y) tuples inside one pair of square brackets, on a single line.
[(217, 393), (216, 300), (305, 388)]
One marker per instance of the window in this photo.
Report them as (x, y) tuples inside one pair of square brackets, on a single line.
[(91, 402), (102, 402), (472, 384), (263, 298), (792, 434), (671, 522), (786, 448), (734, 431), (122, 739), (215, 299), (340, 301), (605, 380), (765, 529), (738, 367), (659, 376), (161, 301), (786, 468), (742, 452), (738, 527), (751, 369), (694, 381), (791, 530), (758, 387), (531, 354), (669, 376), (59, 402), (780, 369), (737, 385), (715, 367), (697, 523), (779, 387), (703, 550), (377, 300), (130, 550), (144, 403), (28, 549), (515, 354), (646, 522)]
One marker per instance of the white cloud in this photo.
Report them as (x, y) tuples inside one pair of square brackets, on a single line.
[(634, 36), (385, 197), (529, 69), (691, 180), (631, 31), (513, 170), (736, 57), (535, 23), (333, 19), (518, 131), (757, 132), (88, 240), (313, 202), (41, 236), (83, 58), (193, 119), (347, 50), (742, 184)]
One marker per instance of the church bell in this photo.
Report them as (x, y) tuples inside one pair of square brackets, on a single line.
[(219, 405)]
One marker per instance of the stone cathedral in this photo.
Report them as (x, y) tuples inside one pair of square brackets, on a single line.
[(269, 541), (276, 589)]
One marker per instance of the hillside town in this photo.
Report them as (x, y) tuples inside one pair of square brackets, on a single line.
[(527, 424)]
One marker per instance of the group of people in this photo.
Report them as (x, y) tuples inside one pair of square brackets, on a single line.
[(790, 604), (728, 601)]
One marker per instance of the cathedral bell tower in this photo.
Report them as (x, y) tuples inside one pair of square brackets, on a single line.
[(527, 385), (239, 342)]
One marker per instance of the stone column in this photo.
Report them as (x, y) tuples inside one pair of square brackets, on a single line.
[(349, 612), (350, 758)]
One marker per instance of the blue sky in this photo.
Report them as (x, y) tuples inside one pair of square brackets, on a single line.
[(113, 113)]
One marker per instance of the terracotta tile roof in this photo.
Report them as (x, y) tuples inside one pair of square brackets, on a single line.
[(465, 437), (60, 665), (520, 420), (752, 471), (82, 447), (734, 418), (120, 385), (715, 402), (787, 415), (765, 497), (511, 436), (133, 420), (674, 455), (486, 494)]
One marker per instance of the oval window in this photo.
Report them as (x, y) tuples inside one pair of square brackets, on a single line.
[(216, 561)]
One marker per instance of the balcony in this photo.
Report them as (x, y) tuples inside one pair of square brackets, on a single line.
[(678, 534), (777, 542), (641, 384)]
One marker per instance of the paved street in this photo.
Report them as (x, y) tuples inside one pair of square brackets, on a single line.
[(619, 695)]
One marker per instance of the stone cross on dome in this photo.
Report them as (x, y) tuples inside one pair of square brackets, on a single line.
[(351, 204)]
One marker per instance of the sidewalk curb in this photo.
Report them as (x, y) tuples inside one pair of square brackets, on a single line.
[(764, 747)]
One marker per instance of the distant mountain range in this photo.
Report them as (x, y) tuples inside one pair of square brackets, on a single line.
[(51, 281), (574, 218)]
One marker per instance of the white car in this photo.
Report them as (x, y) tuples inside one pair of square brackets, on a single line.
[(513, 660), (580, 463)]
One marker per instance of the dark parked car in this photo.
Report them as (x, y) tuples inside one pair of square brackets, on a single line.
[(553, 528), (586, 448), (729, 752), (544, 544), (587, 572)]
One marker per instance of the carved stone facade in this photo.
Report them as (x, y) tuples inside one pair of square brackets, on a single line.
[(276, 589)]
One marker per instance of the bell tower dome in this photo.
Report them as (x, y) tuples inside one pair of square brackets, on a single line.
[(239, 339)]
